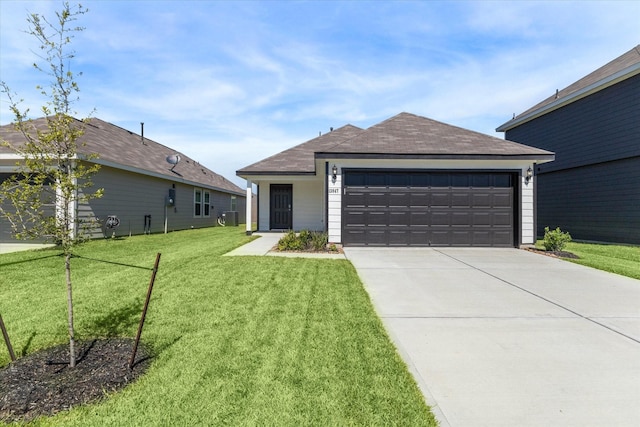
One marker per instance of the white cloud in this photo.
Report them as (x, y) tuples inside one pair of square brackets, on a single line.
[(229, 83)]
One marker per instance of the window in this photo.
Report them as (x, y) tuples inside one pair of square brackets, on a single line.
[(207, 206), (197, 202), (201, 203), (234, 204)]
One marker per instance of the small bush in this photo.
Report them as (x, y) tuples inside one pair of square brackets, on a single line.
[(555, 240), (319, 241), (304, 241), (289, 242)]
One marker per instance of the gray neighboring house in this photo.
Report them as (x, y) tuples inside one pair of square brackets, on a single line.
[(592, 189), (407, 181), (138, 182)]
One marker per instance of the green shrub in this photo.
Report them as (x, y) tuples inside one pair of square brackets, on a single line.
[(319, 241), (303, 241), (289, 242), (555, 240)]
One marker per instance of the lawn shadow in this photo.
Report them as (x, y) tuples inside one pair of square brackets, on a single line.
[(25, 347), (118, 322)]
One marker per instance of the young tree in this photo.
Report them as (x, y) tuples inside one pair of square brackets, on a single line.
[(41, 200)]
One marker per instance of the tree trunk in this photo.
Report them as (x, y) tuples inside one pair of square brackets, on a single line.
[(72, 344)]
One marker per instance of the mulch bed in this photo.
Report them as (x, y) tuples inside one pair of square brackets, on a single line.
[(555, 254), (42, 383)]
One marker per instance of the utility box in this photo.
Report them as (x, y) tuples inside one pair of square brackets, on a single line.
[(231, 218)]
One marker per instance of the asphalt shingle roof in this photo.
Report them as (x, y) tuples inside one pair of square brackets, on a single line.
[(409, 134), (402, 135), (626, 60), (301, 158), (121, 148)]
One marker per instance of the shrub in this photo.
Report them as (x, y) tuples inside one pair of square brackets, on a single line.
[(289, 242), (305, 240), (319, 241), (555, 240)]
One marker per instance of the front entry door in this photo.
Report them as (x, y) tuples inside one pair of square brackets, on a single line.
[(280, 214)]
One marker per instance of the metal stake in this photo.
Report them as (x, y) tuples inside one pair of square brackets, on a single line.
[(144, 310), (6, 340)]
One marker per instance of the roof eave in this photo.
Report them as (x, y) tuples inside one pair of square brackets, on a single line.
[(579, 94), (163, 176), (243, 173), (540, 158)]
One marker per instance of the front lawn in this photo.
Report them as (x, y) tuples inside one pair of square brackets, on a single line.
[(236, 340), (624, 260)]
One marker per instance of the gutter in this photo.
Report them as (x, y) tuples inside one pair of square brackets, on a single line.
[(573, 97)]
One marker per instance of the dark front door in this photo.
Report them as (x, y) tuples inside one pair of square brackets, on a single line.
[(280, 213)]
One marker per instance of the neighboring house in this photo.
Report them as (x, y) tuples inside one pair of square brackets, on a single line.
[(407, 181), (592, 190), (141, 188)]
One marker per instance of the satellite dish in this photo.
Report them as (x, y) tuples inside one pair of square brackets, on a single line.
[(174, 159)]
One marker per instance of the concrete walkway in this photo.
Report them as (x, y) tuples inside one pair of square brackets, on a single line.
[(6, 248), (264, 244), (506, 337)]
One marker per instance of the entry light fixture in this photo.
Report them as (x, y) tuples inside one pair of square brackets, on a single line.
[(334, 171), (528, 176)]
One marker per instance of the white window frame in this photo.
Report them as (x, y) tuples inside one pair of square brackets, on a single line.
[(204, 204), (197, 202)]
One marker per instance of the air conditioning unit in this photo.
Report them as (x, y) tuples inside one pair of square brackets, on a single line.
[(231, 218)]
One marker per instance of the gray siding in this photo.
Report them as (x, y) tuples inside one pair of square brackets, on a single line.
[(608, 209), (131, 196), (592, 189)]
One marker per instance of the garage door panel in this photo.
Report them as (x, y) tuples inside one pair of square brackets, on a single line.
[(398, 237), (482, 200), (354, 219), (441, 199), (376, 218), (503, 200), (399, 199), (377, 237), (433, 209), (504, 219), (460, 200), (461, 237), (460, 218), (419, 218), (399, 218), (482, 219), (377, 199), (419, 200), (440, 217)]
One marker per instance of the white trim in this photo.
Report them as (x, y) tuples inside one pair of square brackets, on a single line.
[(573, 97)]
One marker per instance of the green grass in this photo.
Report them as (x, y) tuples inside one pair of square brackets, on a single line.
[(236, 340), (624, 260)]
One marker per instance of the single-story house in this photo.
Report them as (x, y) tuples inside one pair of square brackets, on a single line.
[(592, 189), (148, 187), (407, 181)]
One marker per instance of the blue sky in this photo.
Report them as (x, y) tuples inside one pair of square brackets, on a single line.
[(231, 82)]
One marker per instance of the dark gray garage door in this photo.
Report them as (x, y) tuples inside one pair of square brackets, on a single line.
[(399, 208)]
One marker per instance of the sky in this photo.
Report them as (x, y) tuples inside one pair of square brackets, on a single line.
[(229, 83)]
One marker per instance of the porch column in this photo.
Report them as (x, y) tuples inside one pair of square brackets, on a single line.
[(249, 207)]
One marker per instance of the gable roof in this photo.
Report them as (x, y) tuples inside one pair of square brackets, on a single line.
[(623, 67), (411, 135), (402, 136), (301, 158), (122, 149)]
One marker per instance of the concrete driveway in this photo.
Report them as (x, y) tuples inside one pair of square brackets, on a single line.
[(506, 337)]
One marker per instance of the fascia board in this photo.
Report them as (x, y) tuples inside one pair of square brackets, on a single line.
[(582, 93), (161, 176)]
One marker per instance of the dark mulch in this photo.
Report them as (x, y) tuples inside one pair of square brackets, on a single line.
[(555, 254), (42, 383)]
